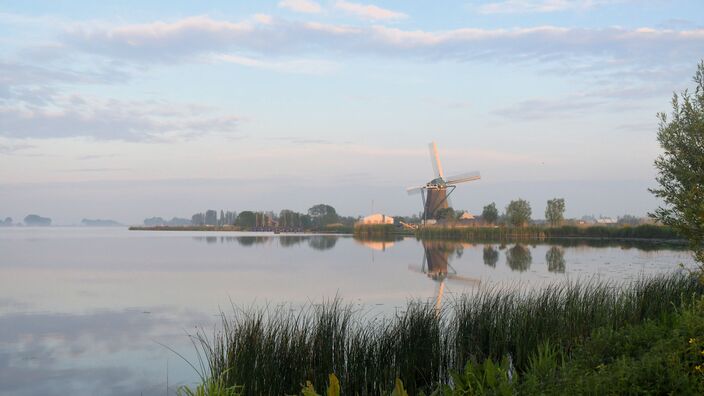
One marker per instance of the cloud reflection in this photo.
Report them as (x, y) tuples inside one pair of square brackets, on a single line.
[(104, 352)]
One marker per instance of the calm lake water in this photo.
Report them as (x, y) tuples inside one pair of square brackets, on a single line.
[(87, 311)]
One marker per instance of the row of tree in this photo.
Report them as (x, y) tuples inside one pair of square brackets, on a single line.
[(518, 213), (318, 216)]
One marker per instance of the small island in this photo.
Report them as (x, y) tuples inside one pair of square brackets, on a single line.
[(36, 220)]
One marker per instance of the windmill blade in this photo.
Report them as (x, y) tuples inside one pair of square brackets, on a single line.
[(464, 279), (414, 190), (435, 160), (438, 300), (463, 178)]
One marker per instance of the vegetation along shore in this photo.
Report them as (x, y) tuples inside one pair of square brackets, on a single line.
[(588, 338)]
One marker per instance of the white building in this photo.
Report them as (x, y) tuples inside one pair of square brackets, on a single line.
[(466, 216), (377, 218)]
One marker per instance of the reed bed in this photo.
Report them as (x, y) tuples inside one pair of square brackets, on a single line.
[(272, 351), (482, 233)]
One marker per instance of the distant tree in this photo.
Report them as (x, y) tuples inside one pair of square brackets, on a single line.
[(555, 211), (681, 166), (6, 222), (211, 217), (198, 219), (322, 215), (445, 214), (154, 221), (178, 222), (628, 220), (246, 219), (490, 214), (518, 212), (36, 220), (221, 220)]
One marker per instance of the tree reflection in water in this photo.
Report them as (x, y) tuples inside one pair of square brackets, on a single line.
[(519, 258), (319, 242), (490, 255), (555, 258)]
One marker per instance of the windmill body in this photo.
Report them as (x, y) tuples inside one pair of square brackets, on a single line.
[(436, 192)]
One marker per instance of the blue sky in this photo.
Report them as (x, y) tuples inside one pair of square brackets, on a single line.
[(133, 109)]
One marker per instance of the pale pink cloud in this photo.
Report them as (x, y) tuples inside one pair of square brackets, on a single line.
[(305, 6), (369, 11)]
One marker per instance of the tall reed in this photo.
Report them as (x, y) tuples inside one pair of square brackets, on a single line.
[(275, 350)]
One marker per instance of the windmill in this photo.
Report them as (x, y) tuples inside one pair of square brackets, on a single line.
[(436, 192)]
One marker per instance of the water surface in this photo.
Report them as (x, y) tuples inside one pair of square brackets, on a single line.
[(87, 310)]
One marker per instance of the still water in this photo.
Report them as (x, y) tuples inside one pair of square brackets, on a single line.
[(89, 311)]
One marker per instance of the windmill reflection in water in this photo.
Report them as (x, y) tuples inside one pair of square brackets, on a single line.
[(436, 266)]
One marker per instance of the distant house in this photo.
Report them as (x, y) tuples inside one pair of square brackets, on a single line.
[(605, 220), (466, 216), (377, 218)]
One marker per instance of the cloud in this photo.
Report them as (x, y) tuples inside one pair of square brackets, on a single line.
[(305, 6), (186, 38), (540, 6), (13, 148), (296, 66), (369, 11), (101, 119)]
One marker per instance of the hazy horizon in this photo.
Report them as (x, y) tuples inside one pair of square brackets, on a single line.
[(165, 109)]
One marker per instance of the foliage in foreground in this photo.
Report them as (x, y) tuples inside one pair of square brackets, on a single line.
[(663, 356), (274, 351), (681, 166)]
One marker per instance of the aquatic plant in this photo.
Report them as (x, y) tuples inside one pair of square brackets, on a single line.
[(274, 350)]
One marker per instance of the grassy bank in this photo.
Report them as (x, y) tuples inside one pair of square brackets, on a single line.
[(275, 351)]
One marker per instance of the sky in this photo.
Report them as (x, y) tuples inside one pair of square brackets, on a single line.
[(132, 109)]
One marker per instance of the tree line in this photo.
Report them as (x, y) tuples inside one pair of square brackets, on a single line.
[(317, 217)]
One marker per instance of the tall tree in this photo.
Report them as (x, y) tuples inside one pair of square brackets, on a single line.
[(246, 219), (555, 211), (681, 166), (518, 212), (490, 214), (322, 215)]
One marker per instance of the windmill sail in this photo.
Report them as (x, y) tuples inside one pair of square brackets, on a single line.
[(435, 160), (463, 178)]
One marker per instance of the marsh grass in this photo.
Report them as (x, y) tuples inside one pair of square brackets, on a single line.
[(276, 350)]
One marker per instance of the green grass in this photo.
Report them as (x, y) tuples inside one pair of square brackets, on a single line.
[(276, 350)]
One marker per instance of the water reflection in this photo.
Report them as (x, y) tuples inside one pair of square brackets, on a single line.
[(490, 256), (317, 242), (58, 354), (519, 258), (436, 265), (555, 257), (379, 244), (322, 242)]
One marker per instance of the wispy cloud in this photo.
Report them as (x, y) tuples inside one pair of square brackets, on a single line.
[(297, 66), (540, 6), (109, 119), (369, 11), (182, 39), (305, 6), (12, 148)]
